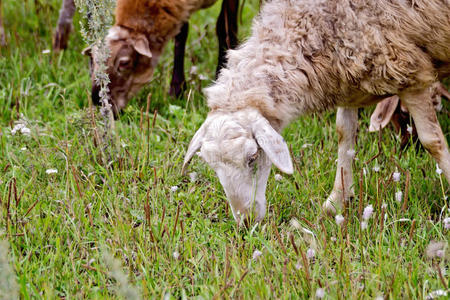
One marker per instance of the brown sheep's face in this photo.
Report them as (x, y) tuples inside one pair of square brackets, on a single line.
[(129, 67)]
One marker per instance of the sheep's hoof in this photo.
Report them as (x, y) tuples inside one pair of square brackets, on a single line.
[(335, 202)]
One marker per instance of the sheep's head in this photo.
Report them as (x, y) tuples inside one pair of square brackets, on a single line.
[(129, 66), (240, 147)]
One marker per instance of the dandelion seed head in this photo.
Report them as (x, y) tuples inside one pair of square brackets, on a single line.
[(396, 176), (399, 196), (363, 225), (434, 249), (438, 170), (447, 223), (368, 211), (339, 219), (51, 171), (320, 293), (310, 253), (193, 176), (256, 254)]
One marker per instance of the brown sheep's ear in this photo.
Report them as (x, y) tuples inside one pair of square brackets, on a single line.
[(87, 51), (194, 146), (273, 145), (140, 44), (383, 113)]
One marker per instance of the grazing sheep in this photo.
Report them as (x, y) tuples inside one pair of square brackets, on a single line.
[(391, 110), (308, 56), (141, 31)]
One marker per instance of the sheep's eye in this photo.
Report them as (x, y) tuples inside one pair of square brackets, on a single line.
[(251, 160)]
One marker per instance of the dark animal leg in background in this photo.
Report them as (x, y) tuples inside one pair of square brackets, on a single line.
[(2, 30), (178, 83), (227, 29), (64, 26)]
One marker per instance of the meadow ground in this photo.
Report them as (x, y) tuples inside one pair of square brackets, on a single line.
[(119, 221)]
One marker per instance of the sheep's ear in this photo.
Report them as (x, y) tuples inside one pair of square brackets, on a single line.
[(194, 146), (140, 44), (87, 51), (273, 145), (383, 113)]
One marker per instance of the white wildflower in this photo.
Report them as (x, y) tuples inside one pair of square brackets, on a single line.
[(396, 176), (203, 77), (306, 145), (278, 177), (368, 211), (298, 266), (174, 188), (438, 170), (176, 255), (363, 225), (23, 149), (333, 239), (339, 219), (194, 70), (25, 131), (51, 171), (435, 294), (295, 223), (447, 223), (193, 176), (16, 128), (256, 254), (46, 51), (376, 168), (310, 253), (409, 129), (399, 196), (351, 153), (320, 293)]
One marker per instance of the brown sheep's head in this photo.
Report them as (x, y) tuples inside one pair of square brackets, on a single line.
[(130, 65)]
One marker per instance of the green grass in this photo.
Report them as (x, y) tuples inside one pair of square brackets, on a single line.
[(98, 230)]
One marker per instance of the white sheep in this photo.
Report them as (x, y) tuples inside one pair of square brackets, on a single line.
[(308, 56)]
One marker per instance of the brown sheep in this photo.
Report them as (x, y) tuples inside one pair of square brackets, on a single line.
[(142, 29)]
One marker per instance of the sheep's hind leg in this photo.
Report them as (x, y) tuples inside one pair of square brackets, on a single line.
[(346, 127), (420, 106), (64, 26)]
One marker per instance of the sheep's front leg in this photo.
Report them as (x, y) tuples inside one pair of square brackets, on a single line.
[(178, 83), (64, 26), (346, 127), (420, 105), (2, 30)]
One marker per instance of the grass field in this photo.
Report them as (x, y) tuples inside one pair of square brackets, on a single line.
[(119, 220)]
